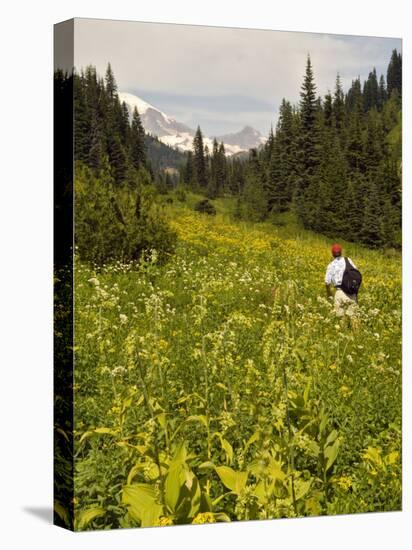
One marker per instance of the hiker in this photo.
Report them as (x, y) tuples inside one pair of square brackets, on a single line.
[(343, 275)]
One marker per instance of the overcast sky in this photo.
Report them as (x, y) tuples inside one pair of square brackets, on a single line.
[(223, 78)]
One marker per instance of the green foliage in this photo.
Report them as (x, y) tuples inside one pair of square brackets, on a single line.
[(326, 156), (205, 391), (234, 481), (102, 130), (180, 193), (309, 129), (142, 504), (87, 515), (371, 91), (199, 161), (188, 177), (218, 171), (205, 207), (117, 217), (372, 231), (254, 202), (282, 161), (338, 106), (183, 414), (394, 73), (318, 164), (137, 141), (118, 223), (162, 156)]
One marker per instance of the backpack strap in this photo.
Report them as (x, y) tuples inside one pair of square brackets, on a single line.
[(347, 266)]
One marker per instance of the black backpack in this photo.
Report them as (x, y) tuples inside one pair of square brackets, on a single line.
[(351, 280)]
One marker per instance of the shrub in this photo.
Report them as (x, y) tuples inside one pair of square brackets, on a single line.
[(205, 207), (181, 194), (115, 222)]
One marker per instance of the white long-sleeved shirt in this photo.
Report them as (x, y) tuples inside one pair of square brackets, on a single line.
[(335, 270)]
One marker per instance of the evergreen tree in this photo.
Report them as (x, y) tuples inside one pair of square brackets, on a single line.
[(199, 161), (374, 144), (268, 147), (212, 189), (394, 74), (96, 151), (137, 141), (309, 141), (254, 202), (236, 177), (393, 184), (117, 158), (328, 109), (82, 129), (355, 195), (208, 165), (339, 105), (354, 97), (221, 169), (111, 86), (391, 231), (309, 137), (288, 149), (188, 171), (112, 116), (95, 140), (372, 229), (274, 185), (124, 124), (354, 151), (391, 113), (91, 87), (331, 192), (371, 91), (281, 165), (382, 94)]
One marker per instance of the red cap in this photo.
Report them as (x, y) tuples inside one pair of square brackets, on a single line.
[(336, 250)]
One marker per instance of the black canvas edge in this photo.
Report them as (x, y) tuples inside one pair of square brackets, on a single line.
[(63, 353)]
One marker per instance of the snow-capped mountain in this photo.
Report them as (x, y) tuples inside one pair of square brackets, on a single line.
[(176, 134), (245, 139)]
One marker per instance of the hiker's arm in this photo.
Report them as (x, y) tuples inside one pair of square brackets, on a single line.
[(328, 282)]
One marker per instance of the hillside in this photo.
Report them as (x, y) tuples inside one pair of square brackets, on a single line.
[(162, 156), (203, 362)]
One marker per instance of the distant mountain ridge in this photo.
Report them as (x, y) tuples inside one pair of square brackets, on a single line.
[(246, 139), (176, 134)]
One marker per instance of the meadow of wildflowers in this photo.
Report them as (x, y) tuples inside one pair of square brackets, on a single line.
[(219, 386)]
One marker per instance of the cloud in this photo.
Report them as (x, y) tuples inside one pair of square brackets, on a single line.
[(219, 70)]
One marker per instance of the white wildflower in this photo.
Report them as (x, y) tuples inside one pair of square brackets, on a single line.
[(118, 370)]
